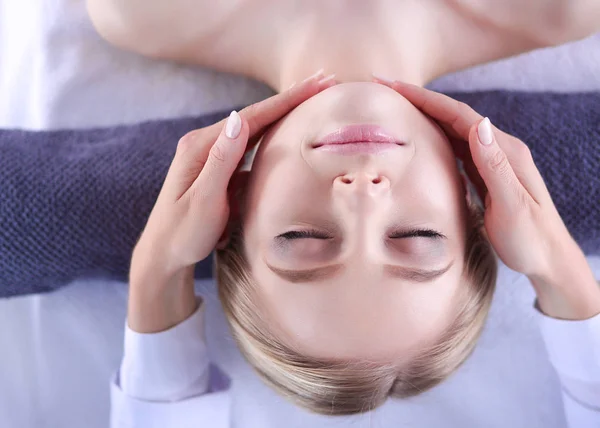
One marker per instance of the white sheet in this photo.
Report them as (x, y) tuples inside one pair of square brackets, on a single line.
[(59, 350)]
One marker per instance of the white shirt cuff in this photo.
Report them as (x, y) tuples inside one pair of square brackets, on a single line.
[(574, 351), (168, 366), (209, 410)]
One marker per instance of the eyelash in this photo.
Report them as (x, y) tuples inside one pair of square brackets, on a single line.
[(314, 234), (304, 234), (417, 233)]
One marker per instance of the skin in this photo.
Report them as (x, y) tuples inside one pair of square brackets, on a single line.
[(352, 312), (359, 201), (283, 41), (410, 40)]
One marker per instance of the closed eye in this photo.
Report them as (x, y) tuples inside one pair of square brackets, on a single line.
[(304, 234), (416, 233)]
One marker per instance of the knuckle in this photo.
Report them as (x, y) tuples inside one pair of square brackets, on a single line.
[(498, 163), (250, 112), (199, 194), (217, 155), (523, 202), (187, 141), (252, 109), (463, 109), (523, 151)]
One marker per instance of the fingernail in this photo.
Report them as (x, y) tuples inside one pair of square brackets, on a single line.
[(314, 76), (382, 79), (484, 132), (327, 79), (233, 125)]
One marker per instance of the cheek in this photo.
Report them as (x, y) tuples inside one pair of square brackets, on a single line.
[(437, 183), (438, 175), (282, 191)]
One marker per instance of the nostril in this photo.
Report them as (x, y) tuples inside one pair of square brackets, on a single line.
[(376, 180), (346, 180)]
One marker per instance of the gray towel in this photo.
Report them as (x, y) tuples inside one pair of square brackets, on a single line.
[(73, 202)]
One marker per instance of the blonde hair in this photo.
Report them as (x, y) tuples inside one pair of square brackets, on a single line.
[(349, 387)]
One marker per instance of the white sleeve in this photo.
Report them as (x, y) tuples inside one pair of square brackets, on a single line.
[(574, 351), (163, 381)]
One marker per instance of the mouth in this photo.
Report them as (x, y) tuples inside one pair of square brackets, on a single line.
[(358, 139), (357, 147)]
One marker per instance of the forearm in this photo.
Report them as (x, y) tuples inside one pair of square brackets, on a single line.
[(158, 299), (568, 289)]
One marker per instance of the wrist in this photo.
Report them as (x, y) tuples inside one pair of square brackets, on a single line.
[(567, 289), (160, 297)]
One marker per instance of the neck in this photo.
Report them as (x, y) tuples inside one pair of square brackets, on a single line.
[(350, 68), (351, 51)]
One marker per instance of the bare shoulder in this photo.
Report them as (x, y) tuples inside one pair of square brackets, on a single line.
[(180, 30), (543, 22), (472, 32), (253, 37)]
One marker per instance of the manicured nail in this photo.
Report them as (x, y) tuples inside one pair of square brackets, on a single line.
[(382, 79), (234, 125), (484, 131), (327, 79), (314, 76)]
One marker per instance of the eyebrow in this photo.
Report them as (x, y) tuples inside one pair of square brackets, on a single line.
[(416, 275), (327, 272), (307, 275)]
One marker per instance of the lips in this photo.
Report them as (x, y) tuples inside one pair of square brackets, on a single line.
[(355, 139)]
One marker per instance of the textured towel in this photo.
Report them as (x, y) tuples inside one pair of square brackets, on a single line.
[(73, 202)]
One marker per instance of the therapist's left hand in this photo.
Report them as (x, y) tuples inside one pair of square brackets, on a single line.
[(192, 209)]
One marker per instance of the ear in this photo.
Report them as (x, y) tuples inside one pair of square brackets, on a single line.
[(235, 191)]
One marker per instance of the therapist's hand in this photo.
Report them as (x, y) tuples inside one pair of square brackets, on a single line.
[(192, 209), (521, 221)]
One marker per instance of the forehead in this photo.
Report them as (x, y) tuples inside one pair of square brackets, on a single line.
[(359, 315)]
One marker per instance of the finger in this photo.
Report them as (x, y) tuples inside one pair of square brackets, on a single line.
[(190, 157), (223, 158), (324, 83), (456, 117), (504, 188), (328, 82), (262, 114), (463, 152), (194, 147), (265, 113), (521, 161), (236, 185), (475, 178)]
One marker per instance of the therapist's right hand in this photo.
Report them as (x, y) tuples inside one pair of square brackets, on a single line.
[(192, 209), (521, 220)]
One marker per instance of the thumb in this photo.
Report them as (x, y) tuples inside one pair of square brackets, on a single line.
[(223, 157), (504, 188)]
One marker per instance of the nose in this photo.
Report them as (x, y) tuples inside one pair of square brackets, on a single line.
[(363, 183)]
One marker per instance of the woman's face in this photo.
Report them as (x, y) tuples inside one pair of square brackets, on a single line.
[(356, 249)]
